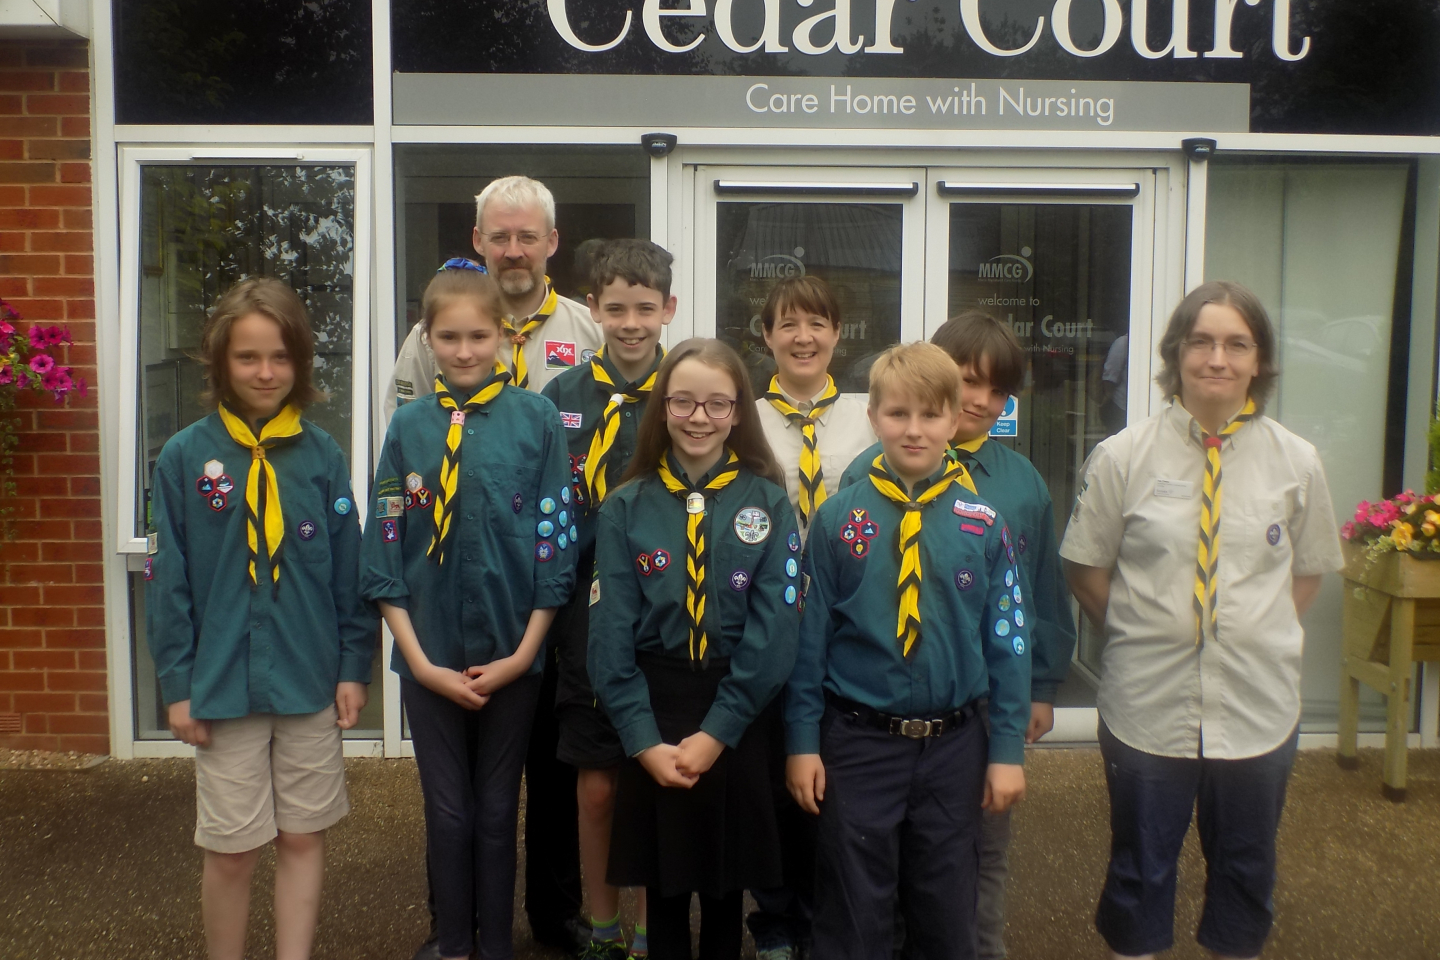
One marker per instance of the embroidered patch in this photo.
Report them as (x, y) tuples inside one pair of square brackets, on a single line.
[(544, 550), (307, 529), (793, 542), (457, 418), (413, 482), (860, 548), (342, 506), (594, 591), (574, 534), (790, 595), (850, 533), (1002, 628), (389, 507), (217, 501), (1010, 554), (661, 559), (516, 502), (577, 476), (587, 355), (205, 486), (644, 563), (1005, 536), (564, 518), (1019, 617), (149, 569), (547, 506), (152, 543), (1023, 543), (545, 528), (869, 530), (404, 388), (422, 498), (563, 540), (791, 567), (1004, 603), (213, 468), (224, 484), (1272, 535), (571, 421), (964, 579), (564, 494), (1009, 578), (752, 525), (559, 354), (389, 531), (857, 516), (1017, 591), (975, 511), (739, 580), (1018, 645), (974, 528)]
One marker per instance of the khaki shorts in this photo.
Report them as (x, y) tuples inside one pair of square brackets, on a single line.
[(265, 773)]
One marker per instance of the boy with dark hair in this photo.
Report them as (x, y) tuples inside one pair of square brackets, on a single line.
[(992, 369), (601, 403), (882, 710)]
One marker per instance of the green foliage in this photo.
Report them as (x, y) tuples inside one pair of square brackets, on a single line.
[(1432, 438)]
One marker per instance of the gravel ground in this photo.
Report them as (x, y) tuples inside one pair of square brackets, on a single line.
[(100, 864)]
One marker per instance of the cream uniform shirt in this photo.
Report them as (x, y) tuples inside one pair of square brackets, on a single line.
[(569, 338), (842, 432), (1138, 513)]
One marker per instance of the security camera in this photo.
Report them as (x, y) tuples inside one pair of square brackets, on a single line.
[(1198, 149), (659, 145)]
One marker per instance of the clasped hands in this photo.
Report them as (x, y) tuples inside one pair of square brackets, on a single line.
[(473, 686), (680, 765)]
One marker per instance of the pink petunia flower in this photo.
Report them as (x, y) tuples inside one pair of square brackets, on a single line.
[(1347, 531), (54, 336), (37, 336), (7, 375), (57, 381), (1362, 510), (42, 363), (6, 329)]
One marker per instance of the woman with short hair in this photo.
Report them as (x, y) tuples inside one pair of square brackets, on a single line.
[(1199, 579)]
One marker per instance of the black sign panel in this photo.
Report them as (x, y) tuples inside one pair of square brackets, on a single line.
[(1314, 66)]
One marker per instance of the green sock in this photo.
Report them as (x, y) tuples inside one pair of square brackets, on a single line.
[(605, 930), (638, 946)]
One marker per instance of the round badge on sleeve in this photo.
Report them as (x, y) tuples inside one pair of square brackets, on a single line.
[(1009, 578), (343, 506), (739, 580), (1002, 628), (1272, 535), (563, 540), (1017, 593), (793, 542), (516, 502), (544, 528), (564, 494), (547, 506), (307, 529), (574, 534), (964, 579), (564, 518), (544, 550), (791, 567), (752, 525), (1018, 645), (1019, 618), (1004, 603), (790, 595)]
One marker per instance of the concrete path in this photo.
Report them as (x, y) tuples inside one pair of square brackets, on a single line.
[(101, 865)]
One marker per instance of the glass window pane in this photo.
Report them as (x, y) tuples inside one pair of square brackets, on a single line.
[(249, 61), (1321, 245), (854, 247), (1059, 275)]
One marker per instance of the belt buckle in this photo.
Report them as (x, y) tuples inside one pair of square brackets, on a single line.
[(915, 729)]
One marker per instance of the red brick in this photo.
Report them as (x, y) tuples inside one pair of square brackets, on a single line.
[(12, 126), (72, 552), (92, 681), (29, 218), (17, 551), (47, 616), (33, 265), (53, 508), (58, 196), (85, 486), (44, 442), (77, 264), (20, 639), (76, 639), (44, 659), (44, 703), (16, 595), (74, 173), (96, 723), (63, 286), (87, 529), (12, 242), (32, 486), (84, 443), (75, 219), (12, 196), (12, 104), (74, 126), (22, 681), (79, 309), (73, 596), (63, 464), (89, 573), (14, 287), (41, 572), (37, 722), (58, 104), (90, 616), (68, 420), (81, 353), (87, 743), (28, 81), (42, 529), (27, 173), (75, 81), (38, 309), (75, 241), (74, 55), (58, 149), (24, 510), (16, 741), (12, 149), (93, 702)]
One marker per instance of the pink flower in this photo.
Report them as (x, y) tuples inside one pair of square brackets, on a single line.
[(1362, 511), (81, 387), (1347, 531), (57, 381), (54, 336), (6, 329), (41, 362), (7, 374), (37, 336)]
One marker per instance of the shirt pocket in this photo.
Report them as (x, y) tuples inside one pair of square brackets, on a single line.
[(1256, 534), (520, 509)]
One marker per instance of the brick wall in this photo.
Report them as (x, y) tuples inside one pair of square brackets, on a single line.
[(52, 616)]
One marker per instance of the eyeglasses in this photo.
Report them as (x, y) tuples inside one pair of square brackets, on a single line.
[(684, 407), (461, 263), (525, 239), (1205, 346)]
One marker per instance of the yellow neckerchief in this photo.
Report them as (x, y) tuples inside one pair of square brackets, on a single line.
[(696, 551), (520, 336), (604, 437), (812, 479), (1208, 560), (907, 629), (971, 447), (953, 455), (262, 488), (450, 466)]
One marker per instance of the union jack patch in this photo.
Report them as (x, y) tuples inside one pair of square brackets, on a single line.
[(572, 421)]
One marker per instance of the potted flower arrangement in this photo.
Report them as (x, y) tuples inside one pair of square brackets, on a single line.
[(27, 363), (1385, 539)]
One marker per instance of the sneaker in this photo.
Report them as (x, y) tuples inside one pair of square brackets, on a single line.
[(785, 951), (603, 950)]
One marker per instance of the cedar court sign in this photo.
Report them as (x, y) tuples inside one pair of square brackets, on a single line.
[(1336, 66)]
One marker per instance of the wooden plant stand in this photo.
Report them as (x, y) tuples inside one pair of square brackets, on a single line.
[(1391, 620)]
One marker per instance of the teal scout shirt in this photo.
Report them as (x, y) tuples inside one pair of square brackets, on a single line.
[(637, 601), (974, 635), (1011, 484), (581, 400), (227, 646), (510, 550)]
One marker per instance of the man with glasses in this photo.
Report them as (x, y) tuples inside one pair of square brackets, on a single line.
[(515, 235), (548, 334)]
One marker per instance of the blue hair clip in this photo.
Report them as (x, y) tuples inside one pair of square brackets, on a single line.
[(461, 263)]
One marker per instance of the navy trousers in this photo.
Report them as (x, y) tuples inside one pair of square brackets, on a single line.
[(1237, 804), (900, 817)]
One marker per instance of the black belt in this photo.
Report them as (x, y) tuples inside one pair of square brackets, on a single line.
[(913, 728)]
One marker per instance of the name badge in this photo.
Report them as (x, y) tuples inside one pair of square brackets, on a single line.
[(1175, 489)]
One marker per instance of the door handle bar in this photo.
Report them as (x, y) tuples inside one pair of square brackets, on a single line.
[(811, 189), (954, 188)]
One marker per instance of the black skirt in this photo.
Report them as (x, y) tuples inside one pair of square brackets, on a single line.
[(720, 835)]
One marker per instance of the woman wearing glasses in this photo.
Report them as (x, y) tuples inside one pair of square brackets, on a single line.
[(1199, 578), (694, 615)]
